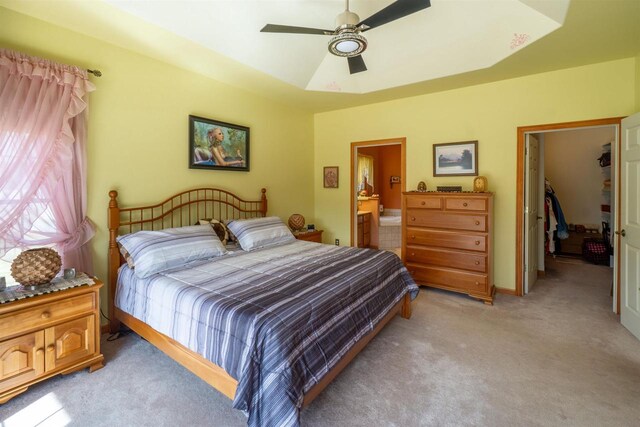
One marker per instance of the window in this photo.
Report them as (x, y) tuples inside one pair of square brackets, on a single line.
[(365, 172)]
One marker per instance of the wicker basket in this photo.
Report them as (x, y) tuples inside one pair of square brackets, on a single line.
[(296, 222), (36, 266)]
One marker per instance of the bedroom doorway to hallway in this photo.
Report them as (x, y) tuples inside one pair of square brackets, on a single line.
[(377, 182), (577, 186)]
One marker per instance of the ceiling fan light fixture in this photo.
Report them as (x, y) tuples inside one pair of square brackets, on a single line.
[(347, 43)]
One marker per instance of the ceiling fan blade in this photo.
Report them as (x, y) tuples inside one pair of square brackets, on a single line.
[(273, 28), (356, 64), (396, 10)]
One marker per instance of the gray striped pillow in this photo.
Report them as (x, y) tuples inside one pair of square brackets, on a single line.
[(260, 232), (155, 251)]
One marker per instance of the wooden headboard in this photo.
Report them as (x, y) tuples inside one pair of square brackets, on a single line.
[(179, 210)]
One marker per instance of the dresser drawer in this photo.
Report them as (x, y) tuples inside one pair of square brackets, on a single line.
[(434, 219), (448, 278), (446, 239), (14, 323), (445, 258), (424, 202), (465, 204)]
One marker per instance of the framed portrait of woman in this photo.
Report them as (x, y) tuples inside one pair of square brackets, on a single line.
[(218, 145)]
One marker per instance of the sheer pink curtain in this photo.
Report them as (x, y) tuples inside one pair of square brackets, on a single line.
[(42, 157)]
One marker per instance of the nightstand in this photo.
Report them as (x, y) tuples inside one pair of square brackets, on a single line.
[(49, 334), (310, 236)]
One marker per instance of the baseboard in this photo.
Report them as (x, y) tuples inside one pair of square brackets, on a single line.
[(506, 291), (541, 273), (104, 329)]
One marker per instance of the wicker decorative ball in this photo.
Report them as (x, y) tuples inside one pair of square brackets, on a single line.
[(296, 222), (36, 266)]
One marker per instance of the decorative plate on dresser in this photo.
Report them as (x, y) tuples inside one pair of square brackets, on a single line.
[(447, 241)]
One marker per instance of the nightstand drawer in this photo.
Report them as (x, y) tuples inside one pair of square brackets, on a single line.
[(310, 236), (20, 321)]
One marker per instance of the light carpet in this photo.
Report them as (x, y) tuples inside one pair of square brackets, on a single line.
[(558, 356)]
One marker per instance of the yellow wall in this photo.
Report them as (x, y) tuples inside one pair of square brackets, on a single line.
[(638, 82), (489, 113), (138, 128)]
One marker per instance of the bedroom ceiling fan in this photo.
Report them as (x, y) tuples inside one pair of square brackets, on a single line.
[(347, 40)]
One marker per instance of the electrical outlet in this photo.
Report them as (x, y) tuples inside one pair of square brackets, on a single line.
[(337, 242)]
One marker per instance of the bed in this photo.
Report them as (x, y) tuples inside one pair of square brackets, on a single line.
[(269, 328)]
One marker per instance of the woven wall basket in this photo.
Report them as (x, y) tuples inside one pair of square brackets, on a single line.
[(36, 266)]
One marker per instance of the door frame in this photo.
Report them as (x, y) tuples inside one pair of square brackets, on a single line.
[(526, 244), (520, 182), (354, 156)]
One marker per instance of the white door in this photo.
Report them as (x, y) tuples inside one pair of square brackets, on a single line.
[(531, 213), (629, 228)]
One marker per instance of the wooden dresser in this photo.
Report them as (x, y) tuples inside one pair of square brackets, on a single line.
[(447, 241), (47, 335)]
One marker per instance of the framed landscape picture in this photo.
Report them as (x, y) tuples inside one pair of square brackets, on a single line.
[(455, 159), (217, 145), (330, 176)]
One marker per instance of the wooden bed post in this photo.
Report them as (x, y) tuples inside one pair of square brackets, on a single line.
[(264, 202), (405, 311), (113, 220)]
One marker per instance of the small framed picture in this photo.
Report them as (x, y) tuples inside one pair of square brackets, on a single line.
[(218, 145), (330, 177), (455, 159)]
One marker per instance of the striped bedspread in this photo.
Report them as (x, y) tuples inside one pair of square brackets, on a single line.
[(277, 320)]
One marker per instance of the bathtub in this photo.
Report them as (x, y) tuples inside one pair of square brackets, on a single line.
[(390, 221), (389, 233)]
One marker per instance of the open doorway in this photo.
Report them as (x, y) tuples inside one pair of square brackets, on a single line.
[(567, 203), (377, 183)]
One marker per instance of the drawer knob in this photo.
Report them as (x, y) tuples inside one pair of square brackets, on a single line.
[(477, 222), (40, 352), (423, 203), (413, 254), (45, 315), (477, 262), (413, 236), (477, 242), (413, 218), (51, 347), (477, 283), (465, 204)]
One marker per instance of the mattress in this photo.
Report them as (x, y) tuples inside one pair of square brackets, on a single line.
[(276, 320)]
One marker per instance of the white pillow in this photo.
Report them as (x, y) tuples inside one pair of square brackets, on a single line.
[(155, 251), (260, 232)]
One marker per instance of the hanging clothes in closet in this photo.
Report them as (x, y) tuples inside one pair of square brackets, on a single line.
[(555, 224)]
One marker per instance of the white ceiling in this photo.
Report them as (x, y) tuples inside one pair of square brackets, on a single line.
[(451, 37)]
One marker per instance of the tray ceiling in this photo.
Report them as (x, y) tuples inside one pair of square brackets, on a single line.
[(451, 37)]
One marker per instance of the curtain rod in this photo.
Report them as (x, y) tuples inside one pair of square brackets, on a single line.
[(96, 73)]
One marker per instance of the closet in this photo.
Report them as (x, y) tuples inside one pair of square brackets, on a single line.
[(578, 193)]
